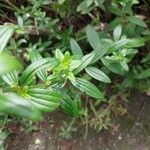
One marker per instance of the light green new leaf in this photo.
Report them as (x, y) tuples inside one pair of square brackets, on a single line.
[(75, 48), (6, 31), (7, 66), (13, 104), (86, 60), (137, 21), (59, 55), (87, 87), (97, 74), (117, 32)]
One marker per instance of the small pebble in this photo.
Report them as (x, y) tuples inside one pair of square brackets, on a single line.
[(37, 141), (120, 137)]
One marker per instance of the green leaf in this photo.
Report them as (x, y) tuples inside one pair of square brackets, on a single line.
[(113, 67), (59, 55), (7, 66), (124, 65), (136, 21), (114, 9), (97, 74), (75, 48), (10, 77), (41, 73), (83, 6), (86, 60), (75, 64), (135, 42), (144, 74), (87, 87), (117, 32), (99, 52), (43, 99), (117, 45), (6, 31), (71, 106), (13, 104), (92, 37), (35, 66), (101, 4)]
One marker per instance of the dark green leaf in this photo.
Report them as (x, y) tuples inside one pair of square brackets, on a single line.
[(117, 32), (41, 73), (99, 52), (71, 106), (43, 99), (10, 77), (86, 60), (87, 87), (83, 6), (93, 37), (117, 45), (18, 106), (76, 50), (113, 67), (35, 66), (97, 74), (136, 42), (137, 21), (144, 74), (6, 31)]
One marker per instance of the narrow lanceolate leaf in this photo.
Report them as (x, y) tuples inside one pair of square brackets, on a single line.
[(113, 67), (71, 106), (99, 52), (7, 66), (10, 77), (43, 99), (144, 74), (92, 37), (35, 66), (84, 5), (97, 74), (75, 48), (6, 31), (41, 73), (137, 21), (13, 104), (135, 42), (117, 45), (86, 60), (117, 32), (87, 87)]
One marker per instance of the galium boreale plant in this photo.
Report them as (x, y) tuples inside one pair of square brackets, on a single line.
[(45, 84)]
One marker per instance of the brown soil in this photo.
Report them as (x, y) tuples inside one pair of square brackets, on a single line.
[(130, 132)]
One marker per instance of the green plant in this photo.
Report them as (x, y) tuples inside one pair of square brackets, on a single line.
[(67, 129), (43, 83)]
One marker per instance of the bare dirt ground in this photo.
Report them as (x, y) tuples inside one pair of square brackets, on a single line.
[(132, 132)]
